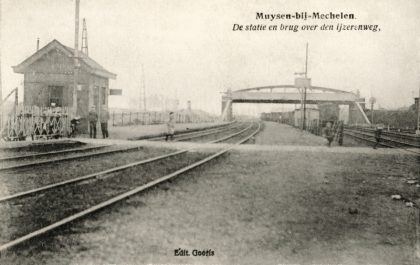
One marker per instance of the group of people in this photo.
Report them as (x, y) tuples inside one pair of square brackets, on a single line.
[(93, 120)]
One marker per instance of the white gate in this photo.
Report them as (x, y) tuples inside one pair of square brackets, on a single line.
[(36, 122)]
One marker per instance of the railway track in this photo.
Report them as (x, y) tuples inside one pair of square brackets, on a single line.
[(113, 170), (387, 140), (189, 137), (37, 163), (21, 177), (212, 136), (191, 132), (87, 194), (24, 163), (51, 153)]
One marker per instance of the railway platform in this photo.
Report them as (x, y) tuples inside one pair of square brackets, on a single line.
[(115, 133), (274, 133)]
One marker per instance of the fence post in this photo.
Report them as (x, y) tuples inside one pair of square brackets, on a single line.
[(129, 122), (122, 118), (113, 118), (340, 134)]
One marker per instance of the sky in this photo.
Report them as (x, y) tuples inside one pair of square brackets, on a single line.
[(189, 51)]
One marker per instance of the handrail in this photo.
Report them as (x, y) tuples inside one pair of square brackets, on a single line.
[(11, 92)]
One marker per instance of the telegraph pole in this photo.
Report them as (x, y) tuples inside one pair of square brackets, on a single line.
[(418, 114), (372, 101), (85, 47), (76, 57), (303, 83)]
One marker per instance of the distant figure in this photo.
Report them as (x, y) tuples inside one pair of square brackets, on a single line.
[(104, 123), (378, 133), (93, 119), (170, 127), (328, 133)]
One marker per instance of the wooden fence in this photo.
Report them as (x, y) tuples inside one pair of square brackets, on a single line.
[(148, 118)]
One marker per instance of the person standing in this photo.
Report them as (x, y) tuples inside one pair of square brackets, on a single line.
[(328, 133), (170, 126), (378, 133), (104, 123), (93, 119)]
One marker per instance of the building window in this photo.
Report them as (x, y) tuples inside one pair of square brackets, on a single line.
[(55, 95), (103, 95)]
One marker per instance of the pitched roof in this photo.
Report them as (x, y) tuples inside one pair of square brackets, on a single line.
[(91, 64)]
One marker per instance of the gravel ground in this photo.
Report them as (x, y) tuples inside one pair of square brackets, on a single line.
[(24, 215), (269, 205), (255, 208), (282, 134), (351, 141)]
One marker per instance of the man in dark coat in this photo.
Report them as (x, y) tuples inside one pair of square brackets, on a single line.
[(93, 119), (378, 133), (328, 133), (104, 123)]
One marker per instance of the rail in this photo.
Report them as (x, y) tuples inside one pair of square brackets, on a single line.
[(386, 138)]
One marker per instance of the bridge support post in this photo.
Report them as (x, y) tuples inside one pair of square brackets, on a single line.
[(227, 106), (357, 114)]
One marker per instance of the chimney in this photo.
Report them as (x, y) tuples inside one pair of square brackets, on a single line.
[(189, 105), (37, 44)]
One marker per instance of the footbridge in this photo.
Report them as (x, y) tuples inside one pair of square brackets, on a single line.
[(291, 94)]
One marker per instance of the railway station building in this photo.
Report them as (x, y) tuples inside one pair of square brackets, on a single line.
[(49, 78)]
